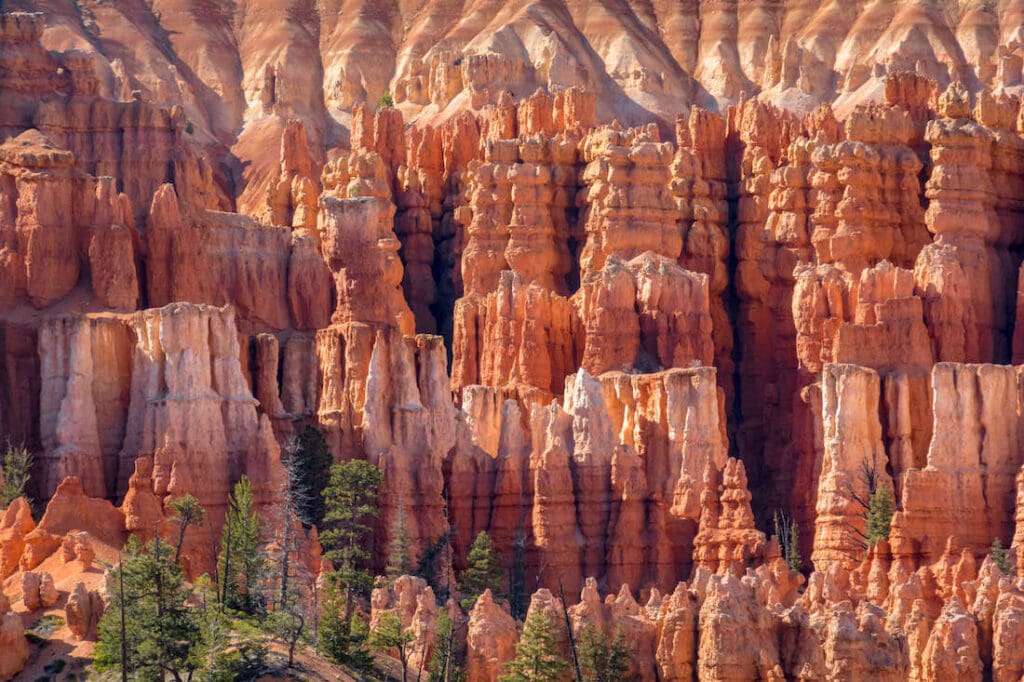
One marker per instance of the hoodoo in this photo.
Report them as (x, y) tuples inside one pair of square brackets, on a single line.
[(537, 340)]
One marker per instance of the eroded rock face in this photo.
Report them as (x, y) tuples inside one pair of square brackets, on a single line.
[(15, 651), (140, 412), (205, 246), (59, 223), (414, 603), (218, 258), (973, 507), (854, 462), (83, 611), (491, 639), (37, 590)]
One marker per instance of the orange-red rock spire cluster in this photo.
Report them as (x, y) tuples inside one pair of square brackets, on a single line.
[(620, 288)]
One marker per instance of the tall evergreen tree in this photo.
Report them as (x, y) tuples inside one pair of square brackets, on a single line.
[(430, 564), (1001, 557), (342, 638), (538, 657), (222, 655), (390, 635), (445, 663), (17, 470), (288, 623), (308, 464), (351, 499), (793, 558), (601, 660), (161, 632), (879, 516), (517, 597), (333, 632), (187, 512), (483, 571), (241, 562), (399, 562)]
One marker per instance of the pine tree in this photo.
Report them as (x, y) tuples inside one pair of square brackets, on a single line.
[(309, 470), (429, 566), (879, 516), (351, 499), (359, 655), (601, 660), (288, 623), (215, 635), (793, 558), (342, 638), (17, 470), (214, 652), (399, 563), (538, 658), (1001, 557), (161, 632), (187, 512), (483, 571), (788, 536), (333, 632), (289, 619), (241, 562), (517, 575), (390, 635), (445, 664)]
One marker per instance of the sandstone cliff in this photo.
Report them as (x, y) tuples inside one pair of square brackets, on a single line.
[(615, 285)]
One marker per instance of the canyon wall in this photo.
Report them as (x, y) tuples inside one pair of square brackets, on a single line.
[(619, 298)]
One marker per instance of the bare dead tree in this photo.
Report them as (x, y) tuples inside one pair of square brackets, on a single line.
[(569, 634), (869, 479)]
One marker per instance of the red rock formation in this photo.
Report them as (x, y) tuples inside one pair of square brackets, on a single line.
[(774, 203), (408, 423), (521, 334), (677, 645), (37, 590), (601, 450), (71, 510), (160, 393), (361, 251), (952, 649), (634, 308), (698, 182), (727, 540), (1018, 517), (490, 641), (628, 263), (839, 219), (58, 207), (86, 368), (517, 258), (729, 614), (218, 258), (961, 272), (1007, 658), (976, 428), (14, 650), (854, 455), (83, 611), (16, 525), (414, 603)]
